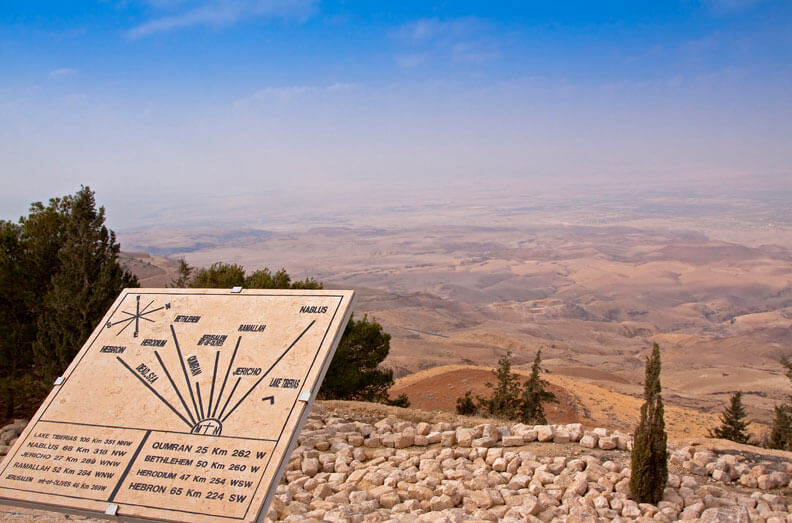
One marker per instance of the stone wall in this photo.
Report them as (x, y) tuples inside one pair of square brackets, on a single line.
[(397, 470)]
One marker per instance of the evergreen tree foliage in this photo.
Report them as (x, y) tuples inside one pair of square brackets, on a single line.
[(788, 366), (780, 437), (401, 401), (28, 259), (354, 373), (505, 399), (649, 456), (264, 279), (219, 276), (184, 275), (465, 406), (307, 283), (781, 432), (59, 272), (86, 283), (226, 275), (534, 394), (509, 399), (733, 425), (16, 325)]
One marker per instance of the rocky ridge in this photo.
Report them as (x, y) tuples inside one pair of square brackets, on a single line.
[(394, 469)]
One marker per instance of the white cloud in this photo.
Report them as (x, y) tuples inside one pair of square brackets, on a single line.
[(410, 61), (459, 40), (288, 94), (342, 87), (471, 52), (433, 28), (723, 7), (61, 73), (66, 34), (217, 14)]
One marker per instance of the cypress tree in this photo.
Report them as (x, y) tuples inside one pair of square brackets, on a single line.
[(781, 432), (649, 457), (184, 275), (87, 280), (505, 399), (733, 425), (534, 394)]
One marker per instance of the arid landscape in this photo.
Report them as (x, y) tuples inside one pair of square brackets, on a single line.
[(592, 282)]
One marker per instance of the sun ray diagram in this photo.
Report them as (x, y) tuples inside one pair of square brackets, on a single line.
[(208, 420)]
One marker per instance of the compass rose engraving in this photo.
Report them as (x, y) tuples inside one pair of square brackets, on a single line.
[(136, 317)]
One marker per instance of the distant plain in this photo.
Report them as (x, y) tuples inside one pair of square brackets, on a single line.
[(592, 281)]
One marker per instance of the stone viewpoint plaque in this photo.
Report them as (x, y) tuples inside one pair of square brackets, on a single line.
[(183, 405)]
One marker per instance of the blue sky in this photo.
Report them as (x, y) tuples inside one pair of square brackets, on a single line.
[(160, 103)]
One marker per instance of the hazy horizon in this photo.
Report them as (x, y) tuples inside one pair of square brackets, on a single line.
[(171, 108)]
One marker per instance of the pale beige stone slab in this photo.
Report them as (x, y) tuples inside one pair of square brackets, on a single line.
[(181, 406)]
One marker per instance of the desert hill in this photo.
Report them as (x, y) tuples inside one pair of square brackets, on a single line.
[(585, 397)]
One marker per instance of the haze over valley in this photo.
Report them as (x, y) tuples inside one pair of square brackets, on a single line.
[(590, 279)]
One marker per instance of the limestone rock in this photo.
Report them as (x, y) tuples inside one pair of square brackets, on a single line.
[(589, 441), (607, 443), (544, 433), (735, 514)]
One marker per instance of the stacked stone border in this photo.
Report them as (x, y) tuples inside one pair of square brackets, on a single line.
[(397, 470)]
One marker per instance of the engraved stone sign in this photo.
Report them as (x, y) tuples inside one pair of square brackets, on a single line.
[(183, 405)]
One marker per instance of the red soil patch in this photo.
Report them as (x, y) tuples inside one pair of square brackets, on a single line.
[(440, 392)]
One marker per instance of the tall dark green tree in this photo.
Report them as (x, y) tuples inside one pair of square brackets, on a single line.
[(16, 325), (780, 437), (649, 455), (28, 259), (87, 280), (733, 425), (355, 372), (504, 402), (59, 272), (183, 275), (534, 394), (781, 430)]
